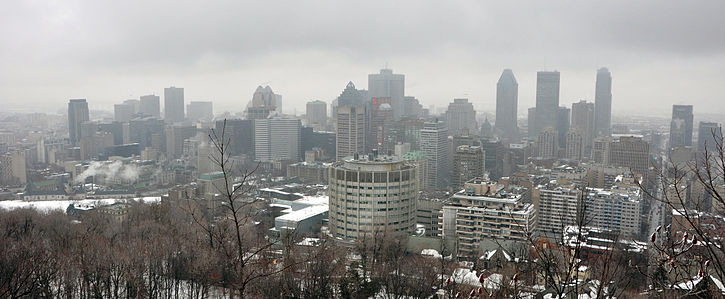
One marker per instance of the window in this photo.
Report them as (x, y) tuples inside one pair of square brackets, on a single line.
[(381, 177), (366, 177), (395, 176)]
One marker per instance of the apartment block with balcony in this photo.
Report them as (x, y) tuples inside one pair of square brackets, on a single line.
[(486, 210)]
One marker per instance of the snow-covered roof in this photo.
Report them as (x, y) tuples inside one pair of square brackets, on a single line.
[(51, 205), (431, 252), (466, 276), (305, 213)]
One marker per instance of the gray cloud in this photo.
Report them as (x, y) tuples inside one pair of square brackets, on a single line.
[(658, 51)]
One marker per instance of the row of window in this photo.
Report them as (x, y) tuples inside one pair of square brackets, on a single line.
[(379, 177)]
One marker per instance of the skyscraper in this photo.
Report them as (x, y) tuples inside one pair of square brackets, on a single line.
[(173, 104), (493, 155), (200, 110), (507, 99), (77, 114), (547, 143), (601, 150), (136, 104), (352, 96), (681, 126), (574, 145), (461, 116), (264, 101), (563, 124), (412, 107), (467, 165), (388, 85), (582, 119), (175, 137), (380, 119), (547, 100), (122, 112), (709, 134), (531, 123), (277, 139), (264, 97), (630, 151), (434, 144), (603, 103), (350, 131), (240, 133), (150, 106), (316, 114)]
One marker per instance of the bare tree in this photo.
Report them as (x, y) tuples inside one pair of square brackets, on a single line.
[(692, 247), (246, 251)]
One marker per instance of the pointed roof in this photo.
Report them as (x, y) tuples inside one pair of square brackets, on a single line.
[(507, 77)]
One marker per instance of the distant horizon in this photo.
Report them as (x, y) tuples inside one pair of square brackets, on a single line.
[(61, 109)]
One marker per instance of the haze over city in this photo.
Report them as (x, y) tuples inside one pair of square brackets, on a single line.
[(327, 149), (658, 51)]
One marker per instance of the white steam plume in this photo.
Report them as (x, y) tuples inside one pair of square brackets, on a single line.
[(109, 170)]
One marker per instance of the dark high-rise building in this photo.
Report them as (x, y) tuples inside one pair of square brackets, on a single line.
[(173, 104), (77, 114), (467, 165), (150, 106), (547, 100), (681, 126), (240, 132), (319, 139), (507, 99), (148, 132), (531, 123), (200, 110), (114, 128), (562, 124), (709, 134), (603, 103), (388, 85), (412, 107), (493, 154)]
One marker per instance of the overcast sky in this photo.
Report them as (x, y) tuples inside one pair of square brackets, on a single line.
[(659, 52)]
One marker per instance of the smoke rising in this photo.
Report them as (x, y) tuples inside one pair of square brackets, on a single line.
[(109, 170)]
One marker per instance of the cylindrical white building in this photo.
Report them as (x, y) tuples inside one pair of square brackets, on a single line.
[(371, 194)]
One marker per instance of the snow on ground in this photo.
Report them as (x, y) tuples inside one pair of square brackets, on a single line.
[(50, 205)]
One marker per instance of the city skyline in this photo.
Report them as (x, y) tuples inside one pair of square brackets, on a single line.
[(362, 150)]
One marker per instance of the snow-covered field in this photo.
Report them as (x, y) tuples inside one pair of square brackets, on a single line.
[(50, 205)]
